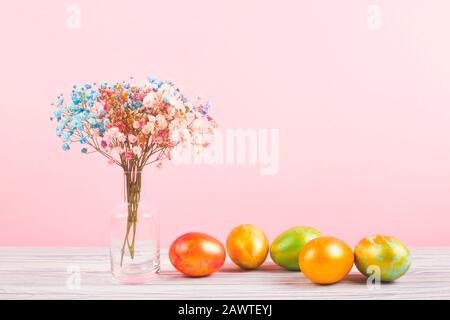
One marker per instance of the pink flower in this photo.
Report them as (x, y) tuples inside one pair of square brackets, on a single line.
[(128, 155), (132, 138), (136, 124), (104, 144)]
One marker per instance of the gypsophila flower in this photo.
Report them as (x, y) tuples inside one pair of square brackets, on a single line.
[(83, 140), (132, 138), (137, 151), (132, 124)]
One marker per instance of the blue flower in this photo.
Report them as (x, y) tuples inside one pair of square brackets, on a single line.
[(59, 101), (67, 136), (166, 98), (74, 109), (91, 96), (137, 104), (66, 147), (76, 99), (84, 150), (57, 114), (83, 140)]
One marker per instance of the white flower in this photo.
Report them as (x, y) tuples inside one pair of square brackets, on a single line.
[(177, 124), (120, 137), (137, 150), (199, 139), (97, 108), (120, 150), (185, 136), (197, 124), (112, 131), (161, 121), (148, 128), (172, 111), (175, 136), (149, 99), (176, 103)]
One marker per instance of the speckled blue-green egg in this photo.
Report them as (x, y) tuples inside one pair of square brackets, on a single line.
[(385, 254)]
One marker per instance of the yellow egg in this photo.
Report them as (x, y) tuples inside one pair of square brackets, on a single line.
[(384, 255), (326, 260), (247, 246)]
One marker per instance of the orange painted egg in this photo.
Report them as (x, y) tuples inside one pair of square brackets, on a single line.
[(247, 246), (197, 254), (326, 260)]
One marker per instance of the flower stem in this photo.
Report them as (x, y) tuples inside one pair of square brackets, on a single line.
[(133, 182)]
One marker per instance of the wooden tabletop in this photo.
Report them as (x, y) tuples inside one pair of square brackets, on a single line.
[(83, 273)]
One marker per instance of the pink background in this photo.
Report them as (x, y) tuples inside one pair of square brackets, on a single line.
[(364, 116)]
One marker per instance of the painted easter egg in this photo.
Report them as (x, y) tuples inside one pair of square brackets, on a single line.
[(247, 246), (326, 260), (383, 254), (286, 248), (197, 254)]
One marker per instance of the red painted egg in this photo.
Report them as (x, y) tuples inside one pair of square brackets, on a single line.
[(197, 254)]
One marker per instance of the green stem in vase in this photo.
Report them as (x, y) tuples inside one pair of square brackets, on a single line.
[(133, 181)]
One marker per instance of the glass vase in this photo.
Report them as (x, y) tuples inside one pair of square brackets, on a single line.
[(134, 235)]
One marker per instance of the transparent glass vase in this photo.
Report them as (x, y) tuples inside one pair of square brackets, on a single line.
[(134, 235)]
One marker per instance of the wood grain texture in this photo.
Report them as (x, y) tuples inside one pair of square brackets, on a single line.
[(43, 273)]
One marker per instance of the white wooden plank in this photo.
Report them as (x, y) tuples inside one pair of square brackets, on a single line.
[(41, 273)]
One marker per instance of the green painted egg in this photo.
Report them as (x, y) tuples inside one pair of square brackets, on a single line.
[(384, 255), (286, 248)]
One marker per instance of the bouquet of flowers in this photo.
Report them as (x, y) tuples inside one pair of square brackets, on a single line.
[(132, 125)]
